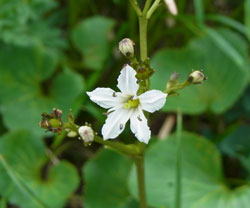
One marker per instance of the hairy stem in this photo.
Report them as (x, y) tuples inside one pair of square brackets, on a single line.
[(139, 162)]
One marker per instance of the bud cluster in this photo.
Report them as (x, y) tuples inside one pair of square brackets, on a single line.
[(53, 122)]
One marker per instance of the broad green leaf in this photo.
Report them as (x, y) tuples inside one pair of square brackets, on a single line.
[(237, 145), (23, 184), (29, 23), (106, 180), (225, 46), (247, 16), (132, 203), (27, 88), (3, 203), (203, 183), (229, 22), (226, 80), (92, 38), (237, 142)]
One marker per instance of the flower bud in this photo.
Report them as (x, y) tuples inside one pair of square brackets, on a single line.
[(52, 121), (196, 77), (86, 133), (72, 134), (171, 6), (126, 47), (174, 76), (56, 113)]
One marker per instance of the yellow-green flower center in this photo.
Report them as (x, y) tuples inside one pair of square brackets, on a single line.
[(131, 103)]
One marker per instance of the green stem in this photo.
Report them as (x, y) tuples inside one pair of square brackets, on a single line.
[(143, 24), (139, 162), (136, 7), (132, 150), (153, 8), (147, 5), (178, 161)]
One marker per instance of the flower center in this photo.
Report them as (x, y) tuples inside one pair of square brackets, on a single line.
[(131, 103)]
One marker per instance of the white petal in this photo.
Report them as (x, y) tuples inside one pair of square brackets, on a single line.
[(105, 97), (139, 126), (172, 7), (152, 100), (127, 81), (115, 123)]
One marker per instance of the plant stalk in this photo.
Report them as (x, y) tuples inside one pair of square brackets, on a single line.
[(143, 24), (139, 162), (178, 161)]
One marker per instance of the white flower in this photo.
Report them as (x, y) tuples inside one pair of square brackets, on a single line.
[(86, 133), (171, 6), (127, 105)]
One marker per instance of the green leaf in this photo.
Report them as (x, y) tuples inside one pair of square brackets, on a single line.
[(92, 38), (106, 180), (247, 16), (3, 203), (29, 90), (23, 183), (225, 46), (199, 11), (226, 79), (229, 22), (237, 145), (203, 184), (29, 23)]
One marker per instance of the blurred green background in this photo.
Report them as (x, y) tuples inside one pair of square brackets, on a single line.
[(52, 52)]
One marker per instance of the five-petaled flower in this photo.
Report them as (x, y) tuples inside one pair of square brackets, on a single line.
[(127, 105)]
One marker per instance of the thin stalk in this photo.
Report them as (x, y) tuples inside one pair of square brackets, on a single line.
[(178, 161), (139, 162), (127, 149), (143, 24), (147, 5), (153, 8), (136, 7)]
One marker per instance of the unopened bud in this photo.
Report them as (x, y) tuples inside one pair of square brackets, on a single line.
[(57, 113), (86, 133), (126, 47), (174, 76), (196, 77), (72, 134), (171, 6)]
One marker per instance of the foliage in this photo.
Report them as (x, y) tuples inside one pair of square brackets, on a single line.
[(24, 181), (52, 52)]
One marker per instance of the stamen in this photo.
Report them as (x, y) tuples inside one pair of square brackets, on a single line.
[(131, 103), (114, 95)]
